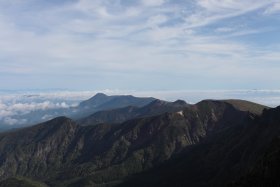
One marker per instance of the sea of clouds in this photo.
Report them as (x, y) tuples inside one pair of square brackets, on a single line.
[(16, 105)]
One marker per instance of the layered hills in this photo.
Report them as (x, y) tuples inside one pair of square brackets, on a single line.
[(94, 104), (158, 143), (101, 102), (119, 115)]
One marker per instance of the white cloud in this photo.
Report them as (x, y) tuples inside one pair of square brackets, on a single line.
[(20, 105), (13, 121), (232, 6), (224, 29), (99, 38), (4, 113), (153, 2), (275, 8), (10, 121), (156, 20), (212, 11), (14, 108)]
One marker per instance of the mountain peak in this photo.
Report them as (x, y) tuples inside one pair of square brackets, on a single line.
[(209, 102), (97, 99), (100, 95), (180, 102), (61, 119), (58, 122), (158, 102)]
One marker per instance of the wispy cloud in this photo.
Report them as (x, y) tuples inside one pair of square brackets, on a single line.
[(153, 2), (98, 42), (13, 121), (274, 8), (11, 109), (211, 11)]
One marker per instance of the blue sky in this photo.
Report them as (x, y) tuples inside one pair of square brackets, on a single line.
[(139, 45)]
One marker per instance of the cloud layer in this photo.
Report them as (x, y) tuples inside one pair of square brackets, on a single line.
[(155, 44), (25, 108)]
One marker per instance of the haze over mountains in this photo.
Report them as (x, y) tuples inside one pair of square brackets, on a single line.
[(87, 107), (23, 108), (130, 141)]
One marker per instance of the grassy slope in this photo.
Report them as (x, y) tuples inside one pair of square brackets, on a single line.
[(243, 105)]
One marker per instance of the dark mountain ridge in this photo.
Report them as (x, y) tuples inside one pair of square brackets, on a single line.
[(120, 115), (96, 103), (101, 102), (62, 153), (246, 154)]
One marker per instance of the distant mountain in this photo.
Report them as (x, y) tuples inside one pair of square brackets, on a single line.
[(101, 102), (119, 115), (96, 103), (210, 142), (96, 100)]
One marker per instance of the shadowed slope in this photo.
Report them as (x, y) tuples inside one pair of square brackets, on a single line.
[(62, 153), (119, 115), (20, 182), (241, 155)]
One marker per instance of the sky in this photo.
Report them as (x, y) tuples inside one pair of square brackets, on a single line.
[(139, 44)]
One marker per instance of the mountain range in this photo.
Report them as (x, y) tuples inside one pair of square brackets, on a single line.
[(127, 141), (119, 115), (96, 103)]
